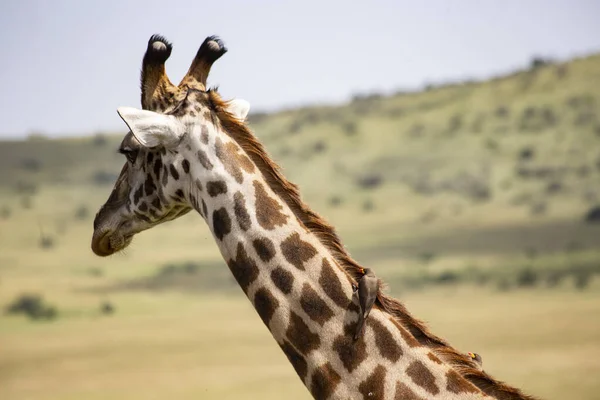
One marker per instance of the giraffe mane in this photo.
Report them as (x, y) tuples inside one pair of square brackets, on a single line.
[(290, 194)]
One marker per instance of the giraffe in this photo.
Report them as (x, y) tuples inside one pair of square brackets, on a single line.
[(188, 149)]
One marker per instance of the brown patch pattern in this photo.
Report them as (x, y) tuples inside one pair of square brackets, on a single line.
[(332, 285), (420, 375), (215, 188), (352, 353), (243, 268), (174, 172), (324, 381), (265, 304), (300, 335), (203, 158), (265, 248), (268, 210), (296, 359), (186, 166), (373, 388), (403, 392), (457, 384), (282, 279), (314, 306), (221, 223), (204, 134), (241, 214), (296, 251), (384, 340), (233, 161)]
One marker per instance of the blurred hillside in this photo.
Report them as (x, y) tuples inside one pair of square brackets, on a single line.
[(511, 166), (485, 193)]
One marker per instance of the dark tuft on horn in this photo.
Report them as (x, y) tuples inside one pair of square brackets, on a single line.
[(210, 51), (159, 49), (158, 92)]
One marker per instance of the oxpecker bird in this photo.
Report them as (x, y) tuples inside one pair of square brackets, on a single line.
[(368, 286), (477, 358)]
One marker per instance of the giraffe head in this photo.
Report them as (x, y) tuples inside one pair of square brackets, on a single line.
[(154, 183)]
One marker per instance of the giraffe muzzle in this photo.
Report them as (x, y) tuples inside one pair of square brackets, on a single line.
[(107, 243)]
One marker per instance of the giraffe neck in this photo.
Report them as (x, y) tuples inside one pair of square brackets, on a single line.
[(301, 294)]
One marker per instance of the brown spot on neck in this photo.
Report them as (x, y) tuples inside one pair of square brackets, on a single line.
[(233, 161), (352, 353), (215, 188), (420, 375), (265, 304), (331, 285), (373, 387), (300, 335), (403, 392), (324, 381), (243, 268), (296, 251), (221, 223), (314, 306), (268, 210), (384, 340), (265, 248), (282, 279), (241, 213)]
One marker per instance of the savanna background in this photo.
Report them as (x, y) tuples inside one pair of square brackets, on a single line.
[(455, 146)]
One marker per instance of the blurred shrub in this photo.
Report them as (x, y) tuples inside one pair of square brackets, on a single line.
[(593, 215), (46, 242), (426, 257), (368, 205), (107, 308), (31, 164), (554, 187), (502, 112), (539, 208), (455, 123), (82, 212), (446, 278), (527, 277), (33, 306), (370, 181), (319, 147), (99, 140), (335, 201), (582, 279), (538, 62), (349, 128)]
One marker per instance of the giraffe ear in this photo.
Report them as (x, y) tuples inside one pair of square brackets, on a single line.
[(152, 129), (239, 108)]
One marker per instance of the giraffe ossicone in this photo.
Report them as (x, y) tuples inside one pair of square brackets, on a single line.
[(188, 149)]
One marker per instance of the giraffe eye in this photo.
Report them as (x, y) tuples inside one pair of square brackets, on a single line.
[(130, 154)]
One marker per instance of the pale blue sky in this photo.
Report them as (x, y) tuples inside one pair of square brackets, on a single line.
[(67, 65)]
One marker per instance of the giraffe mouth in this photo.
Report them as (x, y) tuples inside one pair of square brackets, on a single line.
[(108, 243)]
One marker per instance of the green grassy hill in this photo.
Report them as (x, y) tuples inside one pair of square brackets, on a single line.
[(477, 192)]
